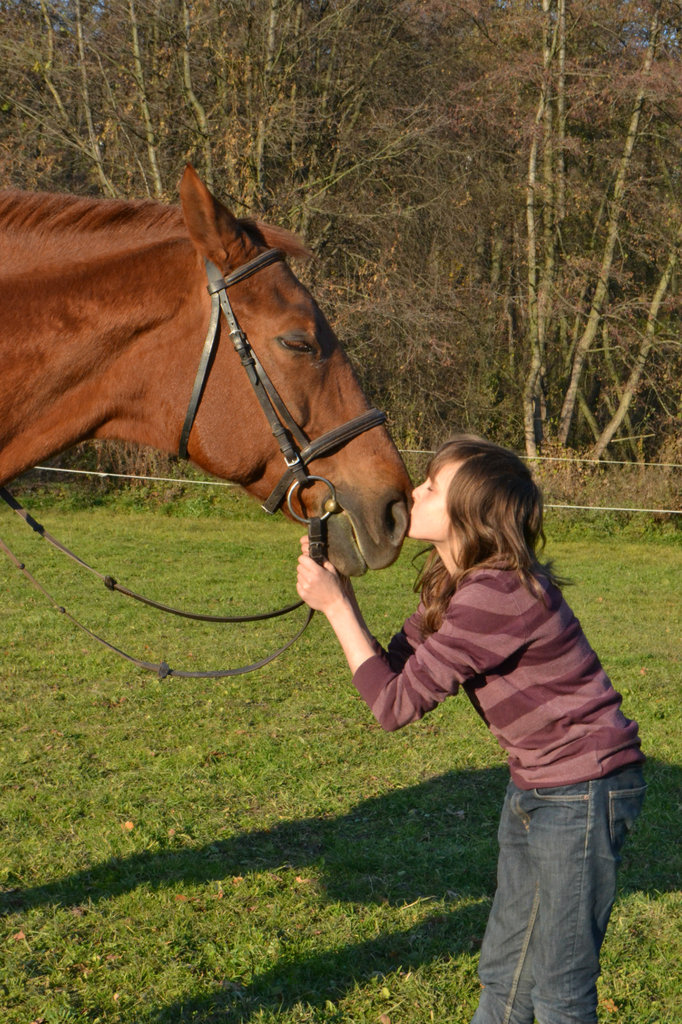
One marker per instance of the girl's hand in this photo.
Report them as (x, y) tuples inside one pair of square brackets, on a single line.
[(320, 586), (323, 589)]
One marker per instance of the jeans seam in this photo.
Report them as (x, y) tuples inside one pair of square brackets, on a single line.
[(614, 796), (561, 799), (522, 957), (586, 846)]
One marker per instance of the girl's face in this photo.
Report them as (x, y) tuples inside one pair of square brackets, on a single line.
[(429, 519)]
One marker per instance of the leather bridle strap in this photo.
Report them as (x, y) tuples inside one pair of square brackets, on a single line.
[(324, 445), (282, 424), (212, 334), (295, 447), (112, 584), (162, 669)]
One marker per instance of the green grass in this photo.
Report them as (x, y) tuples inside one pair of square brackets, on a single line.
[(256, 849)]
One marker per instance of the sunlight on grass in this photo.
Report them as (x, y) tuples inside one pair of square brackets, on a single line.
[(256, 849)]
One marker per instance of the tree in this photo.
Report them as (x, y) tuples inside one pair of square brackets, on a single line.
[(492, 191), (592, 104)]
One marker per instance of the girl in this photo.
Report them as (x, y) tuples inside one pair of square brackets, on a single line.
[(492, 620)]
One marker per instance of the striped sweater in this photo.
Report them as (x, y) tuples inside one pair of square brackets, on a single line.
[(527, 668)]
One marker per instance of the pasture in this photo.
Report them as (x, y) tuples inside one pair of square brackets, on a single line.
[(256, 849)]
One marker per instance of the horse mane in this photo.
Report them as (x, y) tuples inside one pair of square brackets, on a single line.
[(45, 213), (53, 223), (48, 230)]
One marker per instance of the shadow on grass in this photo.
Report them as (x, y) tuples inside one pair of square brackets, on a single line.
[(320, 979), (394, 848), (436, 839)]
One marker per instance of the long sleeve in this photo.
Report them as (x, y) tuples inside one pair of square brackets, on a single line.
[(403, 645), (483, 628), (527, 668)]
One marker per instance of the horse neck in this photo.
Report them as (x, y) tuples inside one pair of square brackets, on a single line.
[(80, 347)]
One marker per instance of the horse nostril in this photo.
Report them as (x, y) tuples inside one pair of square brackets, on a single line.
[(396, 519)]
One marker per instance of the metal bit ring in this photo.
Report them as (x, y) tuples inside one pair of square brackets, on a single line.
[(330, 504)]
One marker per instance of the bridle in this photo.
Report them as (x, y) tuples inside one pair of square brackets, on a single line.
[(295, 447)]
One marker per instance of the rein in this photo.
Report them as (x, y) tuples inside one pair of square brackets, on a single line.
[(162, 669), (298, 451)]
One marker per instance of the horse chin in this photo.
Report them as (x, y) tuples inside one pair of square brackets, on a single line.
[(344, 549)]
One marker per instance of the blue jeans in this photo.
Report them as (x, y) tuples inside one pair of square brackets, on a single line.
[(556, 883)]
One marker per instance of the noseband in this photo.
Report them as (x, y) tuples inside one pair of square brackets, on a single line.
[(295, 447)]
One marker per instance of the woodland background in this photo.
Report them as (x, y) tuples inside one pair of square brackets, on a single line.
[(492, 190)]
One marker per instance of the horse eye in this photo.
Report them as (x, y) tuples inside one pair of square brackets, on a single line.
[(296, 343)]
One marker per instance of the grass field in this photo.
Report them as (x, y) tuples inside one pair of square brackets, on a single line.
[(257, 849)]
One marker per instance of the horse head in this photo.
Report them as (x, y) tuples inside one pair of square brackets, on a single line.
[(291, 339)]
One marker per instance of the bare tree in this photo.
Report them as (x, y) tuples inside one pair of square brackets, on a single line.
[(647, 343), (615, 213), (491, 264)]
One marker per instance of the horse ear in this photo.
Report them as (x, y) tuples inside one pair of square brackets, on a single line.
[(211, 226)]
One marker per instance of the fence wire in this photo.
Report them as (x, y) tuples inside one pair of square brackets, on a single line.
[(104, 475)]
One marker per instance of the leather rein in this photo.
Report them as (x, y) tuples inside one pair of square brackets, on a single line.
[(295, 447)]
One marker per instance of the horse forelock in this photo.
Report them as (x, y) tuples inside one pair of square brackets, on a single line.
[(276, 238)]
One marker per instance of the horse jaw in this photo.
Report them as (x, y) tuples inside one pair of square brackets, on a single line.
[(351, 547), (343, 548)]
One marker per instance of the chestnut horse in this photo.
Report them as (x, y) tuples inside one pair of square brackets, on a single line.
[(104, 312)]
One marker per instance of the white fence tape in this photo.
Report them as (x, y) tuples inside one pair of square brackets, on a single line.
[(406, 451)]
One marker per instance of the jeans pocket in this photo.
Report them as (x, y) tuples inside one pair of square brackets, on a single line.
[(624, 808), (564, 794)]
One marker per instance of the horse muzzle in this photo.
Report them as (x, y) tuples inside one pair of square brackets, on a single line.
[(362, 539)]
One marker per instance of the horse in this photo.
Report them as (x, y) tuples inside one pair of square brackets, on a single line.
[(105, 308)]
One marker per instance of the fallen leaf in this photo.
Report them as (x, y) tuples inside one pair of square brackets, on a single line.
[(18, 936)]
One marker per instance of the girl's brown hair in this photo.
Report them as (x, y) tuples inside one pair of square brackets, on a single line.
[(495, 510)]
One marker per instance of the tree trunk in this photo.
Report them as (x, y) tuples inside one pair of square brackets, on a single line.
[(193, 100), (265, 103), (540, 271), (94, 149), (632, 383), (150, 138), (601, 290)]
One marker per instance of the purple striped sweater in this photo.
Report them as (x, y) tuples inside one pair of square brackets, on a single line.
[(527, 668)]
